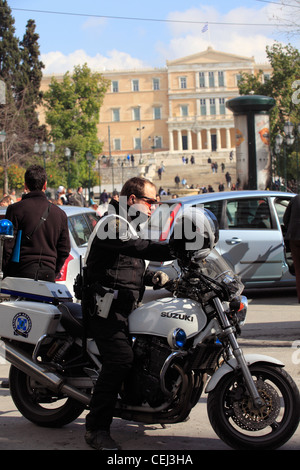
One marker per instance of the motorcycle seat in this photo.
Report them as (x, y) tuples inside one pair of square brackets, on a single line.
[(71, 318)]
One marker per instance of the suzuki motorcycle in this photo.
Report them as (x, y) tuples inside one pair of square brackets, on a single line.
[(184, 345)]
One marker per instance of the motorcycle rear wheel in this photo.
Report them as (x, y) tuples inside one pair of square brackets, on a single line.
[(39, 405), (240, 425)]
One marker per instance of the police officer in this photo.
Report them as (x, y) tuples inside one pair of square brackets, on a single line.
[(115, 259)]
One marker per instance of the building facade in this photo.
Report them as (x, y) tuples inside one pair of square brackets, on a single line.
[(176, 109)]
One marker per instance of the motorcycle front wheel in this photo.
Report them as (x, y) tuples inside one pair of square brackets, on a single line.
[(240, 424), (38, 404)]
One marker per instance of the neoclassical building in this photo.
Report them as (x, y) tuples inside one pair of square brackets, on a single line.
[(176, 109)]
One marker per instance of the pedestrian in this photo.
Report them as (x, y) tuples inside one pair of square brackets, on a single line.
[(228, 179), (41, 241), (115, 259), (177, 181), (159, 172), (61, 195), (5, 201), (222, 167), (291, 220), (192, 160), (115, 195), (132, 159), (103, 197), (79, 199)]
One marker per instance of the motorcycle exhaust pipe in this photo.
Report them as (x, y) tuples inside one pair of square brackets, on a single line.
[(51, 380)]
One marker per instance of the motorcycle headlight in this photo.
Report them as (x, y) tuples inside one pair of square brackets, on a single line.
[(241, 314), (177, 338)]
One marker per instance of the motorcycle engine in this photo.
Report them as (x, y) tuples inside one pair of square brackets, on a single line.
[(143, 383)]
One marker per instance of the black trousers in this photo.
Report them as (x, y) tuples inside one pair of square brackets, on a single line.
[(36, 270), (114, 344)]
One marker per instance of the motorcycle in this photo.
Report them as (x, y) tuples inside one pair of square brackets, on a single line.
[(184, 345)]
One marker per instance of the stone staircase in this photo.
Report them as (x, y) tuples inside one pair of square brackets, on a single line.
[(199, 174)]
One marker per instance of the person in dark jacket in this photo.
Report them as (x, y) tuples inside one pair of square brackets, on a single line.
[(43, 227), (115, 259), (291, 220)]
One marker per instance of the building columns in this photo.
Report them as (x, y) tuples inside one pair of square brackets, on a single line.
[(200, 145)]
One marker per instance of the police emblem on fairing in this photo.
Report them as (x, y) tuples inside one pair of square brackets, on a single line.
[(21, 324)]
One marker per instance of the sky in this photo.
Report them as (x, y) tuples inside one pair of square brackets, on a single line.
[(119, 35)]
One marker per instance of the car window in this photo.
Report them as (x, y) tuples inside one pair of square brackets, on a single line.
[(253, 213), (215, 207), (92, 218), (281, 204), (161, 221), (81, 227)]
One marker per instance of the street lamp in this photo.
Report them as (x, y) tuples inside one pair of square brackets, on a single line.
[(37, 148), (68, 155), (89, 156), (140, 129), (287, 140)]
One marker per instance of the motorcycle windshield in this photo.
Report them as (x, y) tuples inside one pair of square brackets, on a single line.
[(215, 266)]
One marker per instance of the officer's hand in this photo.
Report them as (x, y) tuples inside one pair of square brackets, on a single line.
[(160, 278)]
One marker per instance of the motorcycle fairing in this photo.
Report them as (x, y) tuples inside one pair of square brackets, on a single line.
[(159, 317), (40, 291), (231, 365)]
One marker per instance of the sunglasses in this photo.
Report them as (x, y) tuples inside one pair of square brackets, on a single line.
[(149, 200)]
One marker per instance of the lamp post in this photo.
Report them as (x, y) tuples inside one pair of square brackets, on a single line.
[(287, 141), (68, 155), (89, 156), (141, 152), (42, 149)]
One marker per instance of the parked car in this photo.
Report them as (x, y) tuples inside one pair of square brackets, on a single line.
[(250, 236), (81, 222)]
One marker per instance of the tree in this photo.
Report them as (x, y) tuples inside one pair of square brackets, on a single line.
[(20, 70), (31, 69), (281, 85), (72, 112), (9, 48)]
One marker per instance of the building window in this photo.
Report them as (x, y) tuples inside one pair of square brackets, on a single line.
[(203, 106), (115, 86), (117, 144), (157, 142), (222, 105), (212, 103), (266, 77), (183, 82), (156, 84), (184, 110), (135, 85), (211, 79), (238, 77), (221, 78), (136, 113), (157, 113), (201, 80), (137, 143), (116, 114)]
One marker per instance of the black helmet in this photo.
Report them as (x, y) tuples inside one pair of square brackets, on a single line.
[(196, 232)]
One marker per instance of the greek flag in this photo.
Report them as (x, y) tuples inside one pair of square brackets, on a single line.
[(205, 28)]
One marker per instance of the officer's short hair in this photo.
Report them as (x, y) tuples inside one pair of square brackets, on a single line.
[(35, 177), (135, 186)]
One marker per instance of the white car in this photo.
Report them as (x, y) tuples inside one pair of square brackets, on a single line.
[(250, 233), (81, 222)]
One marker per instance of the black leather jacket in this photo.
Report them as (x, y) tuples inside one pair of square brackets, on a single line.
[(118, 261)]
